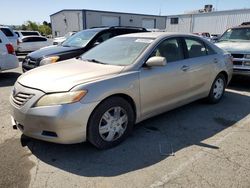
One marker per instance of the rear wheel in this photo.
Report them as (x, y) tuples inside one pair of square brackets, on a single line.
[(111, 122), (217, 90)]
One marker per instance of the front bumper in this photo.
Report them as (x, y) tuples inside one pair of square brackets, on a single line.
[(241, 70), (29, 63), (65, 124)]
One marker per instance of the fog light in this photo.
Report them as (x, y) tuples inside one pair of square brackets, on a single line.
[(247, 56), (247, 63)]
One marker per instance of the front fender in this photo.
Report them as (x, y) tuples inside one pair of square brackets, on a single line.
[(125, 83)]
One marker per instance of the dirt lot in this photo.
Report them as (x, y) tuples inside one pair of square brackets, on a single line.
[(198, 145)]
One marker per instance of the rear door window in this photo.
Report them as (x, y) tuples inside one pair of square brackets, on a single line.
[(197, 48), (34, 39), (7, 32)]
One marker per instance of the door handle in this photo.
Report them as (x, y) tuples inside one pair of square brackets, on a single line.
[(215, 60), (185, 68)]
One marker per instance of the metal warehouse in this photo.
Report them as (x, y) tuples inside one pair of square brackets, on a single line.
[(213, 22), (75, 20)]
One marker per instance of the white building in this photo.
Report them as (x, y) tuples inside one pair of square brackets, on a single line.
[(75, 20), (213, 22)]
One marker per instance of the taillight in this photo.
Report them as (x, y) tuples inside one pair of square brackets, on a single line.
[(10, 49)]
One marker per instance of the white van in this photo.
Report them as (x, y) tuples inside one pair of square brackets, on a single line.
[(9, 33), (21, 33), (8, 59), (32, 43)]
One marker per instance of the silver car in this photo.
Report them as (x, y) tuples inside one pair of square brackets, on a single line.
[(236, 41), (125, 80)]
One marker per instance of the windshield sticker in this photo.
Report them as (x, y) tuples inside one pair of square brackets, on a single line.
[(148, 41)]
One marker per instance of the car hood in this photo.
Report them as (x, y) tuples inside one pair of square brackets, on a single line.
[(235, 47), (65, 75), (51, 50)]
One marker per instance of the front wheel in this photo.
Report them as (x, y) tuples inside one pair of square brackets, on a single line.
[(110, 123), (217, 90)]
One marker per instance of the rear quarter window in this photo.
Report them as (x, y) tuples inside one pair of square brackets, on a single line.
[(29, 33), (7, 32), (34, 39)]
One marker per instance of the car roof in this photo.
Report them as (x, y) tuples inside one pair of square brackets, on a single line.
[(115, 28), (156, 35), (240, 26), (25, 31), (32, 36)]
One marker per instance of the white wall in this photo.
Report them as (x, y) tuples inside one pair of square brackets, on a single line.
[(184, 24), (74, 22), (214, 22), (93, 19)]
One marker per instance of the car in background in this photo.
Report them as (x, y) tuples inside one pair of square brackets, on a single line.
[(204, 35), (21, 33), (32, 43), (236, 41), (8, 59), (9, 33), (125, 80), (75, 45), (59, 40)]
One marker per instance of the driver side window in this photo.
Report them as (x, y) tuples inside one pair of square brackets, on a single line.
[(171, 49), (103, 37)]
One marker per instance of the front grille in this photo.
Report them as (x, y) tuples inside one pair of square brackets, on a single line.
[(240, 56), (30, 61), (20, 99), (237, 62)]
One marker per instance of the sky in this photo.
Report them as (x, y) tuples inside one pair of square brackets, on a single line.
[(16, 12)]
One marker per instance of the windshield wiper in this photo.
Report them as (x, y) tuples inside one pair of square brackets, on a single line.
[(94, 61)]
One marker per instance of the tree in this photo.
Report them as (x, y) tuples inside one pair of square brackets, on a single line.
[(44, 29)]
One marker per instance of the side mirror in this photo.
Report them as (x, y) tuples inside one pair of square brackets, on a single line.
[(156, 61), (96, 43)]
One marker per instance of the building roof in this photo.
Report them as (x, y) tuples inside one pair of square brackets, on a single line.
[(213, 12), (104, 12), (187, 14)]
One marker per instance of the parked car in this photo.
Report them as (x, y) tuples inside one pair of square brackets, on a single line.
[(236, 41), (204, 35), (32, 43), (8, 59), (127, 79), (10, 35), (75, 46), (59, 40), (21, 33)]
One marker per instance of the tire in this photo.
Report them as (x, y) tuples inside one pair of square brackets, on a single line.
[(110, 123), (217, 90)]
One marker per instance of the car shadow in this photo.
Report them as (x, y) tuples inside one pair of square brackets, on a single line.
[(240, 83), (152, 140), (8, 78)]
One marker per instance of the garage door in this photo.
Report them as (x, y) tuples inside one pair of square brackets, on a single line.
[(148, 23), (110, 21)]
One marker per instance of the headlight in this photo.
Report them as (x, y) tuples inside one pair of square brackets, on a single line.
[(247, 56), (61, 98), (49, 60)]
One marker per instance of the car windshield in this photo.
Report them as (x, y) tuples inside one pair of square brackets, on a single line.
[(236, 34), (79, 39), (117, 51)]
